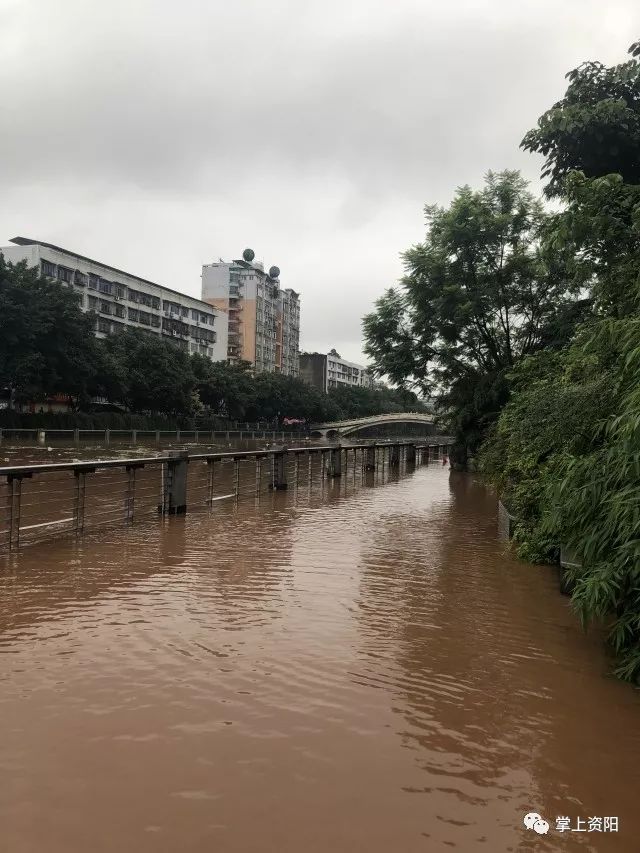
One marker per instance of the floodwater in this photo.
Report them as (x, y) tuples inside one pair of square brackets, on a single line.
[(345, 667)]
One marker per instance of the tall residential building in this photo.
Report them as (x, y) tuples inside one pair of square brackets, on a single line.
[(264, 320), (122, 300), (329, 370)]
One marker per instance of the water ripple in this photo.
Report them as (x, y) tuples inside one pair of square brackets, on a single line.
[(339, 669)]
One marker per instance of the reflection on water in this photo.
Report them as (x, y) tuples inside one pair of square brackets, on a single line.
[(328, 669)]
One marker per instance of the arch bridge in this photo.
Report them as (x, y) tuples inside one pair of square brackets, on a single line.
[(415, 422)]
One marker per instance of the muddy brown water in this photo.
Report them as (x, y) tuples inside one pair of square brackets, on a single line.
[(354, 666)]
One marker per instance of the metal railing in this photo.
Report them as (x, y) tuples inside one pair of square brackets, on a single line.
[(41, 501), (145, 436)]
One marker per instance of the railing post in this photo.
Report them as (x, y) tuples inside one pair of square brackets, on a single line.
[(13, 509), (78, 501), (394, 456), (258, 474), (134, 436), (236, 478), (130, 499), (42, 436), (0, 435), (174, 499), (197, 436), (335, 462), (76, 436), (370, 464), (158, 437), (210, 480), (107, 437), (279, 479)]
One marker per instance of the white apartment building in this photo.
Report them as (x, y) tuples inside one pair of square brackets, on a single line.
[(330, 370), (343, 372), (264, 319), (122, 300)]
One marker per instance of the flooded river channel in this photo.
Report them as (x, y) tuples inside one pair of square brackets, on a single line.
[(352, 666)]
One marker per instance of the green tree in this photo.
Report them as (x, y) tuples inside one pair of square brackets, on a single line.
[(595, 128), (355, 402), (225, 389), (481, 293), (591, 141), (148, 374), (276, 397), (46, 342)]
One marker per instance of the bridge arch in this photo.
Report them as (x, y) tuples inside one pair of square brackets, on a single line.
[(421, 423)]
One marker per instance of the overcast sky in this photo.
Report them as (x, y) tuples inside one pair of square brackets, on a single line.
[(158, 135)]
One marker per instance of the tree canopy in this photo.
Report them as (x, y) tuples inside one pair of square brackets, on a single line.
[(46, 343), (595, 128), (481, 293)]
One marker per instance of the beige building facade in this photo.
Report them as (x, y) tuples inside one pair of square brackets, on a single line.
[(264, 319)]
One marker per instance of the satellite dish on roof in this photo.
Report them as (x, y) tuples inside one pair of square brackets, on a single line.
[(274, 272), (248, 255)]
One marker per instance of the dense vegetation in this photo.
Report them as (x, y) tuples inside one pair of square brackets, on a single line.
[(47, 347), (481, 293), (558, 426)]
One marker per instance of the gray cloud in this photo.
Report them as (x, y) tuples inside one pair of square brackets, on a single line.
[(158, 136)]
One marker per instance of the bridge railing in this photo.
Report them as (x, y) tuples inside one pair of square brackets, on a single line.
[(41, 501)]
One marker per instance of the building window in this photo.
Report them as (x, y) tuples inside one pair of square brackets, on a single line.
[(121, 290), (103, 326), (65, 274), (80, 279), (93, 303), (133, 314), (105, 286), (48, 269), (93, 281), (119, 310)]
